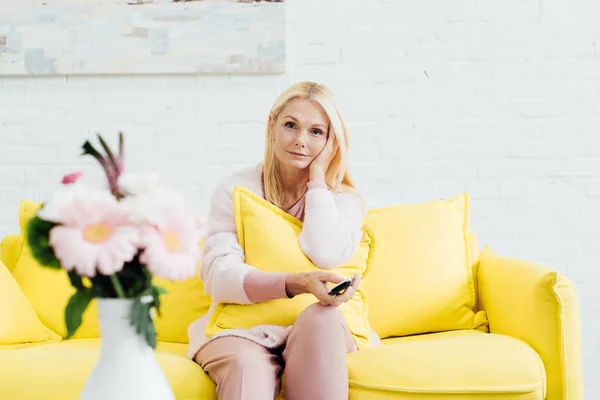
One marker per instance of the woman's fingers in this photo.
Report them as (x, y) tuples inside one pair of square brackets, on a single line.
[(356, 282), (320, 289), (318, 285), (348, 293), (330, 277), (323, 296)]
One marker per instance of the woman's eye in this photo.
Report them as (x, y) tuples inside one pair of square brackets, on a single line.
[(317, 132), (290, 125)]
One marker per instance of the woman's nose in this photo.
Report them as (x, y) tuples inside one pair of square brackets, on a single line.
[(301, 140)]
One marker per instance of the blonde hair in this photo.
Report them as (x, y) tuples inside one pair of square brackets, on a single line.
[(337, 176)]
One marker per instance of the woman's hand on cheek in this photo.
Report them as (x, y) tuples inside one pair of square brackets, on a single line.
[(319, 165)]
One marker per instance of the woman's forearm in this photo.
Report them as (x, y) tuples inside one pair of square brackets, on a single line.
[(295, 284), (263, 286)]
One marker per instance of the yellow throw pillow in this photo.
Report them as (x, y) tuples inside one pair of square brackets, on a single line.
[(184, 303), (19, 325), (49, 291), (421, 279), (269, 237)]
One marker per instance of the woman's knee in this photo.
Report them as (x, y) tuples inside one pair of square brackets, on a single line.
[(318, 317)]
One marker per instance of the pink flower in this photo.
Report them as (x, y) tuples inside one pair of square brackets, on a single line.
[(71, 178), (94, 237), (172, 248)]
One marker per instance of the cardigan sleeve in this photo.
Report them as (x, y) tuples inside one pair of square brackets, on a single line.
[(226, 276), (332, 228)]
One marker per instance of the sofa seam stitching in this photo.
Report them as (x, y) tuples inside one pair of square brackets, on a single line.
[(561, 341)]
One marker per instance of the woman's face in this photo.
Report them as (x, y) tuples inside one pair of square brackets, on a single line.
[(300, 133)]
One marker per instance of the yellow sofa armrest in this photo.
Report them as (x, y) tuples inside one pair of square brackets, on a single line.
[(9, 251), (533, 303)]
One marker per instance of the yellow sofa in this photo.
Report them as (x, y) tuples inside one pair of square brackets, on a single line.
[(495, 328)]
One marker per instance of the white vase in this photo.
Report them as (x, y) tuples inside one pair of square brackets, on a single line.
[(127, 368)]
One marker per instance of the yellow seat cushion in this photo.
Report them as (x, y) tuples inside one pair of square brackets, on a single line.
[(58, 371), (49, 290), (454, 365), (421, 277), (259, 225), (19, 325)]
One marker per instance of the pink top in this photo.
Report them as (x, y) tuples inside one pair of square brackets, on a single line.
[(331, 234)]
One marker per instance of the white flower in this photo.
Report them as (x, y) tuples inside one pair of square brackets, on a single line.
[(139, 184), (149, 198), (154, 206), (57, 209)]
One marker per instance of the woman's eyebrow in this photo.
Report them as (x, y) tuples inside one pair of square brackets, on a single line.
[(295, 119)]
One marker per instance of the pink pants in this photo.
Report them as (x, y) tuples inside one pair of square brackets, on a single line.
[(314, 358)]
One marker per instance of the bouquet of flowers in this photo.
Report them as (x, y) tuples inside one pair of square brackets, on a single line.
[(112, 239)]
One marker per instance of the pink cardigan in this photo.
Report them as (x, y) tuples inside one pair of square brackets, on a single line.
[(330, 236)]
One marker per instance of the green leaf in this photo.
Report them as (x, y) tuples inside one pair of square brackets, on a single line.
[(150, 330), (76, 280), (110, 172), (160, 290), (38, 239), (156, 292), (151, 334), (109, 153), (136, 313), (88, 149), (76, 306), (142, 321)]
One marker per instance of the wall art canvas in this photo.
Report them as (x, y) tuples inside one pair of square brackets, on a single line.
[(90, 37)]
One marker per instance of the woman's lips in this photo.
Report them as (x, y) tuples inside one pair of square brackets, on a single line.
[(297, 154)]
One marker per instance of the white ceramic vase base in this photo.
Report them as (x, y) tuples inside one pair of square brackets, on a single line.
[(126, 368)]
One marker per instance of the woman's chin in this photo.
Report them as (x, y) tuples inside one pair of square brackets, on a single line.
[(297, 164)]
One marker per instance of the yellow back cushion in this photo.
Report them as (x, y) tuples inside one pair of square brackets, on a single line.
[(421, 279), (49, 290), (8, 251), (269, 237), (19, 325)]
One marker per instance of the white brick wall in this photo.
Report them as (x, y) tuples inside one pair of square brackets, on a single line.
[(500, 99)]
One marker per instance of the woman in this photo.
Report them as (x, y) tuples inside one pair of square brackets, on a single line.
[(304, 173)]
